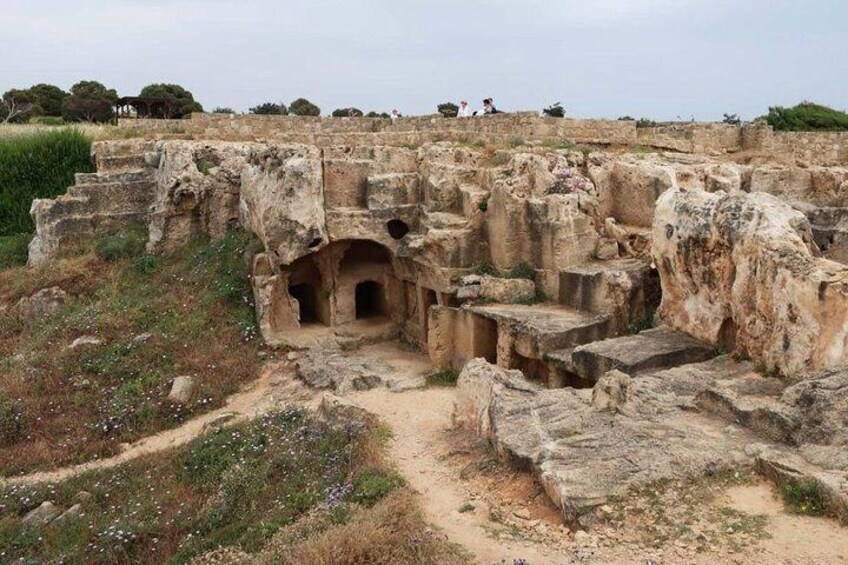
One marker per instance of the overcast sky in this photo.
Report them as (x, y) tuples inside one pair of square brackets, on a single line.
[(600, 58)]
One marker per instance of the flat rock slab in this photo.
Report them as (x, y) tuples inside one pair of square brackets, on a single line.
[(658, 348), (544, 328)]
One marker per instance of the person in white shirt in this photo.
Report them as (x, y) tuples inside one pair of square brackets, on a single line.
[(395, 115), (464, 110)]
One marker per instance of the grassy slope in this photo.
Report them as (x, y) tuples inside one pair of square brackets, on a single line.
[(286, 488), (60, 406)]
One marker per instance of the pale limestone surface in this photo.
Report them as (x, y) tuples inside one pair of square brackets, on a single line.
[(741, 270)]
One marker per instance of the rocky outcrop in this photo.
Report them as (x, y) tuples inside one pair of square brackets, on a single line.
[(741, 271), (43, 304), (290, 175), (588, 446)]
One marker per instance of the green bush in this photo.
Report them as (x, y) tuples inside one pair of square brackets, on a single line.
[(13, 250), (807, 116), (41, 165), (804, 497), (121, 245), (372, 485)]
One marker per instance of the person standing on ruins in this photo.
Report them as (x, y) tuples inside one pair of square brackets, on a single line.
[(395, 115), (464, 110)]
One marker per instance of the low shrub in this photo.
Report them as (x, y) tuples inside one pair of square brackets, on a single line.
[(14, 250), (804, 497)]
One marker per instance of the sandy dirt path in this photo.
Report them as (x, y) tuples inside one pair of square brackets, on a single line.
[(419, 420)]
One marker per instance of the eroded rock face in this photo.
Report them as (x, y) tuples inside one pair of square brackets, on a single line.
[(197, 191), (742, 271), (291, 175)]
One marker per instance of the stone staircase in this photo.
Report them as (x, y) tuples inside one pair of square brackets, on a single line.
[(115, 198)]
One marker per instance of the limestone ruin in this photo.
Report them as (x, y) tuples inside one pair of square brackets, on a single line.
[(530, 266)]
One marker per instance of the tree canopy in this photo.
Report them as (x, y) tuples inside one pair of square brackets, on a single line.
[(303, 107), (90, 101), (184, 103), (807, 116), (270, 108), (47, 99)]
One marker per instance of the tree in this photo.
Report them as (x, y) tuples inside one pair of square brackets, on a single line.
[(94, 89), (48, 98), (554, 111), (89, 101), (303, 107), (223, 110), (347, 113), (184, 103), (373, 114), (15, 106), (807, 116), (448, 109), (731, 119), (270, 108), (94, 110)]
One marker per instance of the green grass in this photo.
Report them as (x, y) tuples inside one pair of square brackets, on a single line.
[(804, 497), (127, 244), (41, 165), (13, 250), (236, 487), (445, 377)]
